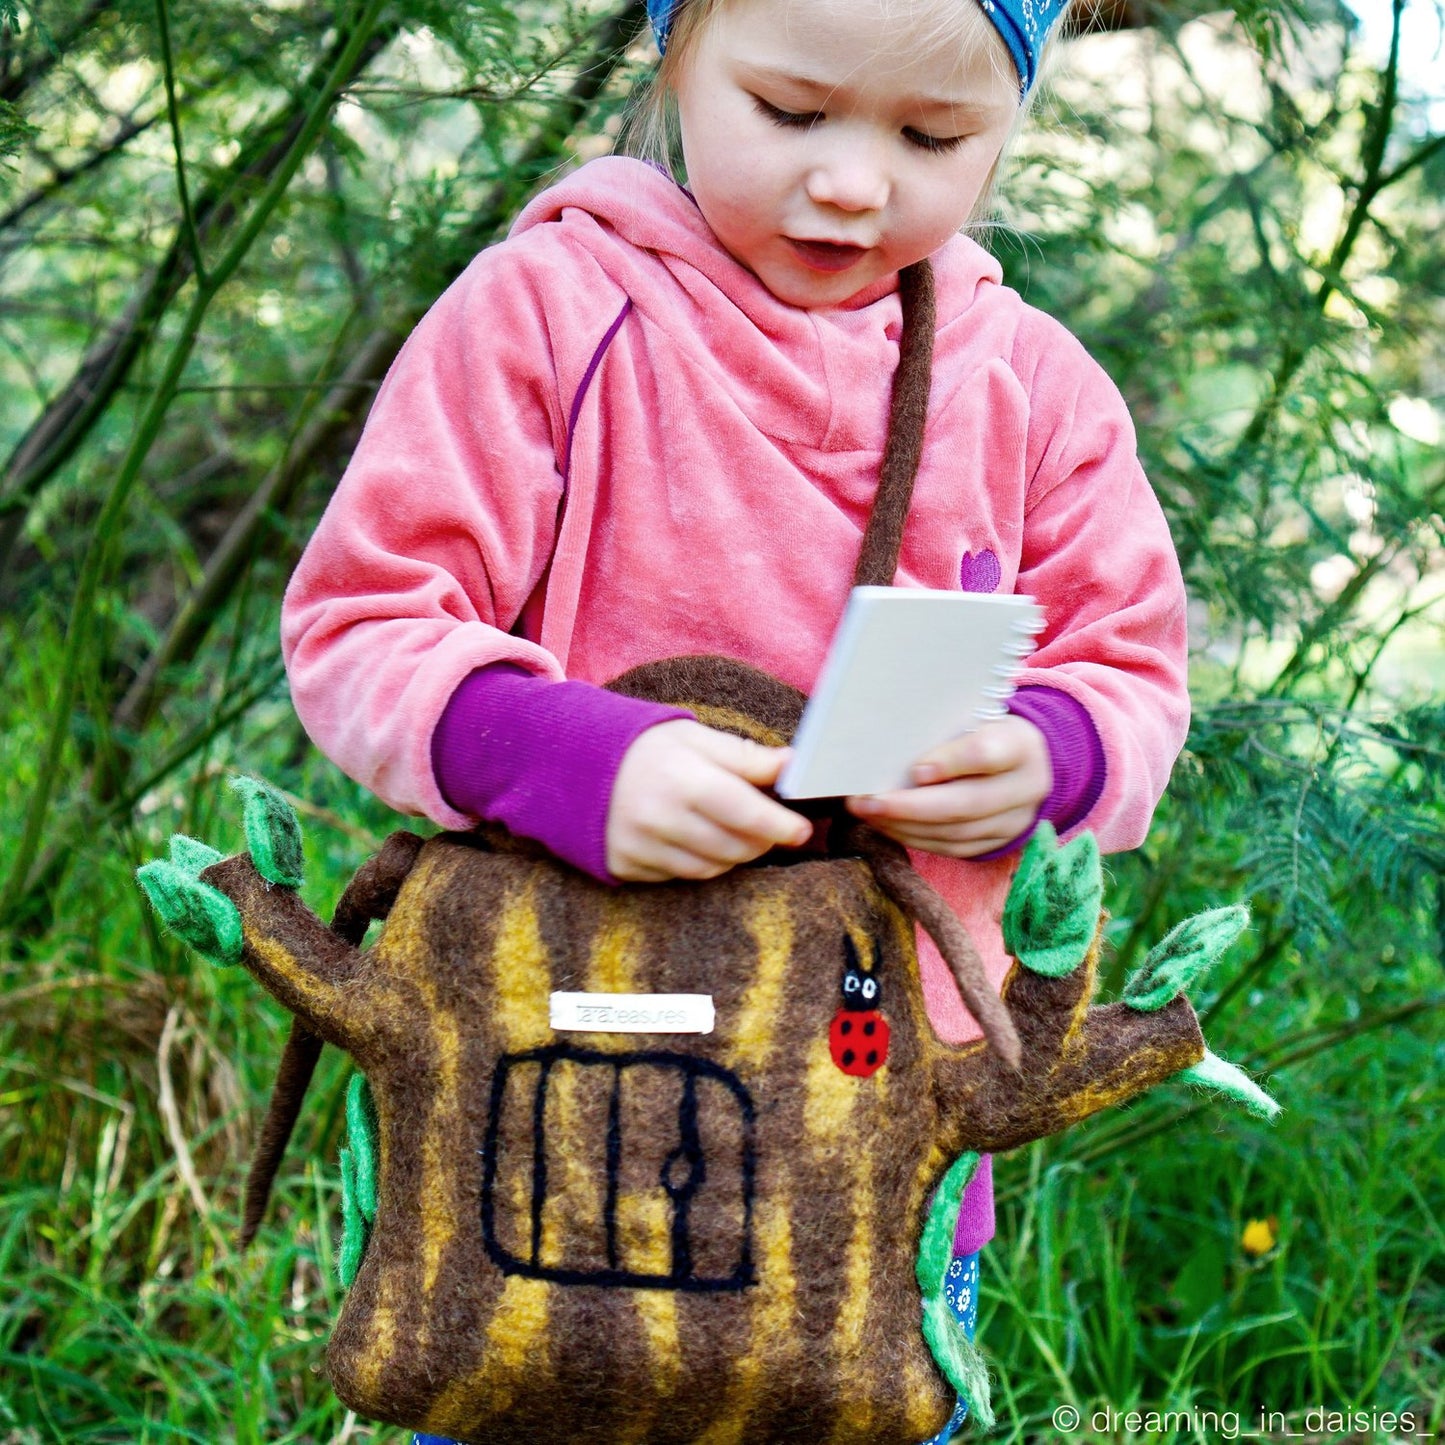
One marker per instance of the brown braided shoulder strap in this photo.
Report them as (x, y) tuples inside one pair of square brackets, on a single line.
[(907, 421)]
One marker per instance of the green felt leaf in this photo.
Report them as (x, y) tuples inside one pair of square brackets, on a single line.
[(1184, 955), (273, 833), (1053, 905), (361, 1135), (958, 1357), (195, 912), (354, 1230), (935, 1244), (1222, 1077), (191, 855), (358, 1177)]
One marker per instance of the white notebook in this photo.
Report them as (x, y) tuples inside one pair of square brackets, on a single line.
[(907, 670)]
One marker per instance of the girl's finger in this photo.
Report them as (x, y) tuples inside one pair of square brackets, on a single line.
[(969, 800), (700, 835), (742, 757), (1005, 826), (997, 747), (952, 846), (654, 861), (737, 807)]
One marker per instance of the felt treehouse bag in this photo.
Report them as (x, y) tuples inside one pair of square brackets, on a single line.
[(659, 1236)]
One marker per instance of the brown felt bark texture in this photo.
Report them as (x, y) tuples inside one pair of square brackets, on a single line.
[(311, 969), (1076, 1060), (728, 695), (473, 946)]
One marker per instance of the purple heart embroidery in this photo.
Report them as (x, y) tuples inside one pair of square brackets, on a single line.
[(980, 573)]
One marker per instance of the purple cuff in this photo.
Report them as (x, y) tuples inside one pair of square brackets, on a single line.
[(540, 756), (1075, 750), (1076, 754), (975, 1213)]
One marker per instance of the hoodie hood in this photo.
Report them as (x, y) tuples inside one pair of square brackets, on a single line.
[(797, 370)]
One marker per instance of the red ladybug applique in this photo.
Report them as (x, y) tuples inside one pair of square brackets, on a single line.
[(858, 1036)]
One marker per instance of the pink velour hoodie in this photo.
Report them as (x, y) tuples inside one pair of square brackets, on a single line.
[(699, 484)]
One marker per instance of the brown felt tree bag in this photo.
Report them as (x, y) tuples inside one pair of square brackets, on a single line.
[(662, 1237)]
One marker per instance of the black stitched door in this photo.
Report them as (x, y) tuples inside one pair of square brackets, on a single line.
[(631, 1169)]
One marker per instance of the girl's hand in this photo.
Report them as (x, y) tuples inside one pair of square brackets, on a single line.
[(977, 793), (686, 805)]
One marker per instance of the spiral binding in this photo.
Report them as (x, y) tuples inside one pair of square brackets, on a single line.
[(1025, 630)]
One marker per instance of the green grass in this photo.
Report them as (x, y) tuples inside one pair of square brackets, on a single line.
[(1124, 1284)]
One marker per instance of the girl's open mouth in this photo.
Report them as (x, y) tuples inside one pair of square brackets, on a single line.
[(827, 255)]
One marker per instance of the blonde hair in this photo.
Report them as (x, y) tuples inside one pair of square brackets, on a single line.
[(650, 129)]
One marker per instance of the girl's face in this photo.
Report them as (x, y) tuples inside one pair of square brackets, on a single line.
[(829, 144)]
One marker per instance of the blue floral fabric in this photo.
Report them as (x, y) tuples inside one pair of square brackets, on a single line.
[(1023, 24), (960, 1289), (660, 12)]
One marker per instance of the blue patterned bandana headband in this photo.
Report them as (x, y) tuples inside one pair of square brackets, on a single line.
[(1023, 24)]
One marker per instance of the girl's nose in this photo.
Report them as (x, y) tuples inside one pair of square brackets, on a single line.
[(849, 176)]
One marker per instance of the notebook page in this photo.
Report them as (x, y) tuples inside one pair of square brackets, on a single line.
[(907, 670)]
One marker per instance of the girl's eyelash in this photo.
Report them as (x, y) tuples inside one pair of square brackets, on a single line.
[(937, 144), (803, 120), (788, 119)]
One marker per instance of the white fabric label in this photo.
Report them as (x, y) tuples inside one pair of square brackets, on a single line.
[(632, 1013)]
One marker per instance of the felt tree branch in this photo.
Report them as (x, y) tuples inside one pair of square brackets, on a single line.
[(296, 957), (1076, 1058), (368, 896), (247, 912)]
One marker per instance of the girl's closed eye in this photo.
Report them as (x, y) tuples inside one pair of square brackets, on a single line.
[(937, 144), (788, 119)]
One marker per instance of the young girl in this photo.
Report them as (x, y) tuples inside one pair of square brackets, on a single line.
[(649, 423)]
